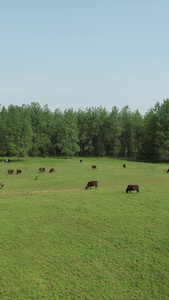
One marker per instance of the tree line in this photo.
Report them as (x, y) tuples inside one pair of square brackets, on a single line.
[(32, 130)]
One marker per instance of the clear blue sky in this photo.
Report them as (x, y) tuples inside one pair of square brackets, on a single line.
[(84, 53)]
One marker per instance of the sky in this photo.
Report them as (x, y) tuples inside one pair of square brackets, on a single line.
[(84, 53)]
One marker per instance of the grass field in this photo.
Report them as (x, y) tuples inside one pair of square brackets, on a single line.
[(60, 241)]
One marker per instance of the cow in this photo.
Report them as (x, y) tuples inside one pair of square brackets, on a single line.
[(52, 170), (94, 167), (132, 187), (9, 160), (124, 166), (80, 160), (167, 170), (18, 171), (2, 184), (10, 171), (92, 183), (36, 178), (41, 169)]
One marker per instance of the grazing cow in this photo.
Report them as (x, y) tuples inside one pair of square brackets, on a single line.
[(10, 171), (132, 187), (52, 170), (9, 160), (18, 171), (36, 178), (80, 160), (92, 183), (167, 170), (124, 166), (94, 167), (2, 184), (41, 169)]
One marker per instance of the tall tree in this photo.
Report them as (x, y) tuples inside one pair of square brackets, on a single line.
[(162, 133), (137, 133), (88, 124), (126, 132), (39, 137), (114, 128), (19, 131), (47, 131), (68, 133), (148, 148), (3, 132)]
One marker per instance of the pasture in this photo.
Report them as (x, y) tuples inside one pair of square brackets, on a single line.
[(60, 241)]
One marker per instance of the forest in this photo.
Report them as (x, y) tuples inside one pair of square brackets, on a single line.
[(32, 130)]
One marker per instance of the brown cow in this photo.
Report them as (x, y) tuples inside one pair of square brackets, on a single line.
[(36, 178), (94, 167), (10, 171), (132, 187), (52, 170), (41, 169), (2, 184), (18, 171), (92, 183)]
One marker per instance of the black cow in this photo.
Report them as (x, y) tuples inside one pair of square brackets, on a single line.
[(81, 160), (92, 183), (52, 170), (10, 171), (167, 170), (9, 160), (41, 169), (124, 166), (94, 167), (132, 187)]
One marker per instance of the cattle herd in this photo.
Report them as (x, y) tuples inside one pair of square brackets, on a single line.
[(130, 187), (90, 184)]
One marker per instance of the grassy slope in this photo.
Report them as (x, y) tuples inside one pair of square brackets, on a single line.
[(64, 242)]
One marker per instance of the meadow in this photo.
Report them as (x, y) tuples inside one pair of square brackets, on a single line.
[(60, 241)]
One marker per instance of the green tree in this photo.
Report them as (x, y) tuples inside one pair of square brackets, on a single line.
[(148, 148), (47, 128), (3, 131), (102, 131), (137, 133), (41, 120), (126, 132), (19, 131), (57, 120), (88, 125), (113, 143), (162, 132), (68, 133)]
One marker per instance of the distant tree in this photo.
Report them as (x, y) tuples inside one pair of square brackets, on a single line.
[(113, 125), (57, 119), (148, 149), (68, 133), (101, 133), (47, 131), (19, 131), (88, 125), (3, 131), (162, 132), (41, 120), (126, 132), (137, 133)]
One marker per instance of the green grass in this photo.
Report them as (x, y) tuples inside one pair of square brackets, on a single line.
[(60, 241)]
